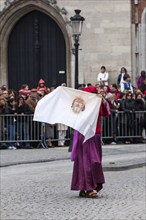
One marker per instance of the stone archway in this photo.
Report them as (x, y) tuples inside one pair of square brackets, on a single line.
[(143, 39), (9, 18)]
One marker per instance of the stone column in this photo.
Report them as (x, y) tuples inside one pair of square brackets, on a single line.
[(143, 39)]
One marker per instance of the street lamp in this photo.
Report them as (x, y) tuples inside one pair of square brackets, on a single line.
[(77, 24)]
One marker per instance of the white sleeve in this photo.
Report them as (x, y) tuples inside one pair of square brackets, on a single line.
[(98, 77), (131, 88), (122, 87), (106, 77)]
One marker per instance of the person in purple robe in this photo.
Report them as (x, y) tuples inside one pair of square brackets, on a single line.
[(88, 175)]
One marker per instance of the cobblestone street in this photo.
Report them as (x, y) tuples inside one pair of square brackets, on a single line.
[(72, 108), (42, 192)]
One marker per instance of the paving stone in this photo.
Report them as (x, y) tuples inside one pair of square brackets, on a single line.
[(42, 192)]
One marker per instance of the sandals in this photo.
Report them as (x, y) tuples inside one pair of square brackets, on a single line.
[(91, 194), (88, 194)]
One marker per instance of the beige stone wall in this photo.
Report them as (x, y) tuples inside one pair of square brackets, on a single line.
[(138, 37), (106, 37)]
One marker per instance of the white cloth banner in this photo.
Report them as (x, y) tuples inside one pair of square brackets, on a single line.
[(72, 107)]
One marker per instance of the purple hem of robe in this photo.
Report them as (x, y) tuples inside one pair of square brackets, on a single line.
[(87, 157)]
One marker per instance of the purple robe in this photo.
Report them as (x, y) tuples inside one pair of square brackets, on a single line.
[(87, 157)]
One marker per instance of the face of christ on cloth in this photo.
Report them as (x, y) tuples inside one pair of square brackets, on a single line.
[(78, 105)]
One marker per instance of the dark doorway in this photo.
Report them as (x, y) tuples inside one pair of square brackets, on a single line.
[(36, 49)]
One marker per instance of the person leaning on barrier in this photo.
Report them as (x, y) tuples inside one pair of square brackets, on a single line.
[(128, 107), (139, 102), (35, 128), (139, 117), (121, 100), (113, 118), (23, 112), (32, 100), (10, 122), (128, 103), (3, 104)]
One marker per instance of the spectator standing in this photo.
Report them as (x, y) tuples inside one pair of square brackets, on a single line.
[(12, 94), (103, 76), (139, 115), (141, 78), (137, 91), (121, 100), (42, 85), (143, 87), (4, 88), (24, 91), (46, 129), (126, 84), (41, 93), (50, 133), (32, 100), (50, 128), (121, 117), (3, 105), (11, 123), (113, 118), (106, 90), (128, 103), (114, 90), (128, 107), (62, 129), (121, 75), (5, 94), (35, 128), (23, 122)]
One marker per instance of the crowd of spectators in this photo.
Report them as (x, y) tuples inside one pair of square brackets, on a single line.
[(127, 99), (22, 103), (122, 96)]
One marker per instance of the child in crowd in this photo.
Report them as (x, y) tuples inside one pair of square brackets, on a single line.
[(24, 91), (41, 85)]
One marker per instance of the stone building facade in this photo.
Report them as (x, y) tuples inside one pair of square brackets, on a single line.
[(108, 37), (138, 20)]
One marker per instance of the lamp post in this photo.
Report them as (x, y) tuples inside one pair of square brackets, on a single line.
[(77, 24)]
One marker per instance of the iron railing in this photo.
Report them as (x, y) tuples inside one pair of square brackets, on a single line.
[(124, 125), (118, 126)]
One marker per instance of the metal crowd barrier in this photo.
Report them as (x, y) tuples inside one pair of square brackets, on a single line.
[(22, 129), (118, 126), (124, 125)]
